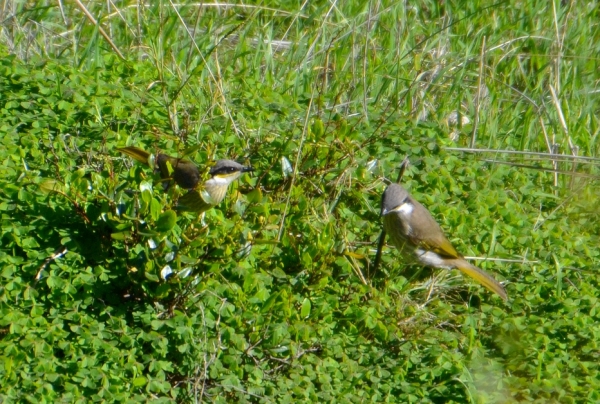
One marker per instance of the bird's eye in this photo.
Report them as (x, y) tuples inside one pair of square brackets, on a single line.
[(231, 169)]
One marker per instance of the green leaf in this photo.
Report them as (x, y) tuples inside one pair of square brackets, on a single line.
[(306, 307), (318, 128), (50, 185), (166, 221), (254, 196), (155, 208), (121, 235)]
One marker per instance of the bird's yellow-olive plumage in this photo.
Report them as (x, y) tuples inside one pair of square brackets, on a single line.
[(416, 234), (184, 172)]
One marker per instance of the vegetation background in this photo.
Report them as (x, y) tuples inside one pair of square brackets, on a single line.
[(273, 297)]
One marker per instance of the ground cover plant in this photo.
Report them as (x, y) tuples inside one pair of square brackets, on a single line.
[(109, 293)]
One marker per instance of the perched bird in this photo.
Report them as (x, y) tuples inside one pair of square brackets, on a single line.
[(186, 174), (417, 235)]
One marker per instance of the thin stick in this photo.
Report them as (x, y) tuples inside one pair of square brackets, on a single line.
[(357, 270), (403, 166), (549, 170), (574, 167), (60, 251), (102, 32), (295, 172), (503, 260), (549, 155), (481, 81)]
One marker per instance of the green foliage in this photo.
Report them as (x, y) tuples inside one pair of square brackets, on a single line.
[(109, 293)]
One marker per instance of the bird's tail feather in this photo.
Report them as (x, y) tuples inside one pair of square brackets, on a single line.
[(136, 153), (482, 277)]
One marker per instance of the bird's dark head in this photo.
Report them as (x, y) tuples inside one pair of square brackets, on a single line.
[(228, 170), (394, 196)]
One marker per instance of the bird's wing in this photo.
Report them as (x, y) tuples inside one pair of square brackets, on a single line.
[(427, 234), (183, 171), (194, 201)]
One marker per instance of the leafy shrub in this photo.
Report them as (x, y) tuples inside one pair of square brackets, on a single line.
[(109, 293)]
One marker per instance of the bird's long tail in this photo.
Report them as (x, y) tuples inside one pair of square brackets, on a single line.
[(482, 277), (136, 153)]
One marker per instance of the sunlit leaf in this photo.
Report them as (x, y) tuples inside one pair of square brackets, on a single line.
[(166, 221)]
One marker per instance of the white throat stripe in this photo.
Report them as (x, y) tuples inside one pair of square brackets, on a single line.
[(406, 209)]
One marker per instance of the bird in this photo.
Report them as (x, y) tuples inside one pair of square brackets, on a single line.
[(418, 237), (185, 173)]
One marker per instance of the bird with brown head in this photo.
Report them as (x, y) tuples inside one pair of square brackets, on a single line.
[(419, 238)]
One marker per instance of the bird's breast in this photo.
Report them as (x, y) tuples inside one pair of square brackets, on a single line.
[(214, 190), (398, 231), (402, 217)]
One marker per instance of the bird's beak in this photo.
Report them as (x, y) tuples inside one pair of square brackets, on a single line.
[(247, 169)]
